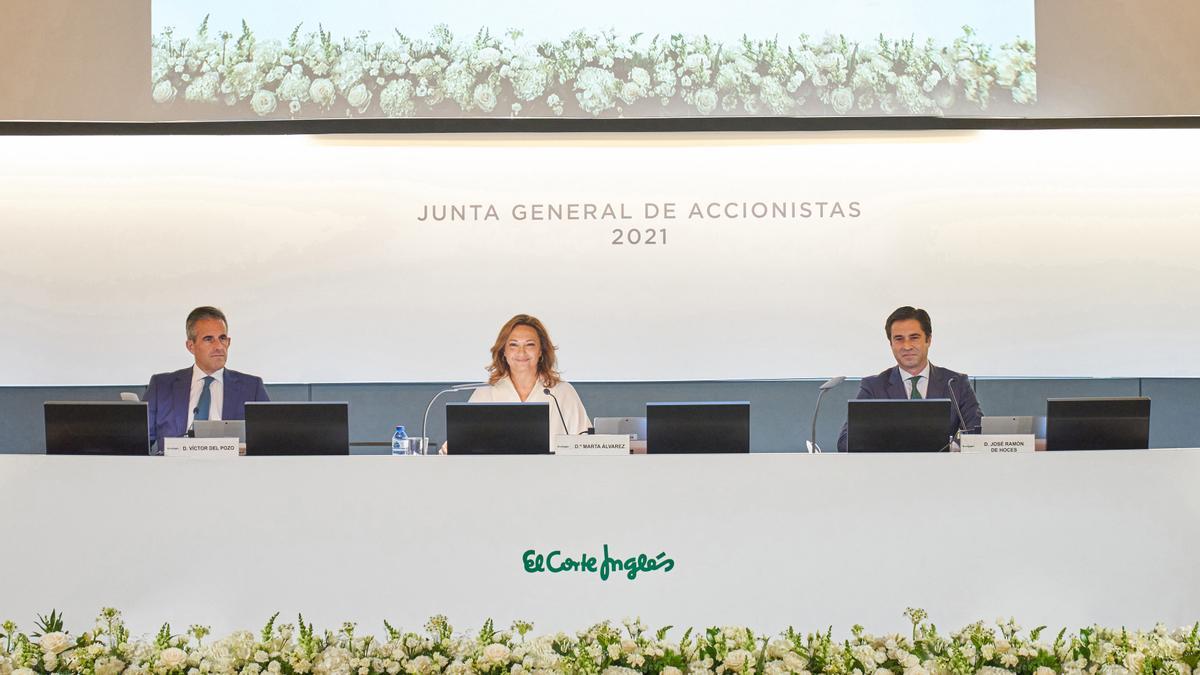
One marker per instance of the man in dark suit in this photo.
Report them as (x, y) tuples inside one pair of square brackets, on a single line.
[(205, 391), (910, 332)]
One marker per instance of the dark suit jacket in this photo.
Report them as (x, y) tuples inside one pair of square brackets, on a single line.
[(890, 385), (168, 396)]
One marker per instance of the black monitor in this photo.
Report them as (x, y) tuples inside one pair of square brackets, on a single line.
[(498, 428), (312, 428), (97, 428), (1098, 423), (898, 425), (701, 427)]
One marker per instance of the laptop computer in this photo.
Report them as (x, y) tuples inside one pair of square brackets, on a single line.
[(634, 427), (220, 429)]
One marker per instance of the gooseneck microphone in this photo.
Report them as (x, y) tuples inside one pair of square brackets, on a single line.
[(425, 420), (830, 384), (957, 438), (546, 391)]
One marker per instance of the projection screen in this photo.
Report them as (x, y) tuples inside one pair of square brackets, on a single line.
[(469, 58)]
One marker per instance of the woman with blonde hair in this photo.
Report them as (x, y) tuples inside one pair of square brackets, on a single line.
[(523, 369)]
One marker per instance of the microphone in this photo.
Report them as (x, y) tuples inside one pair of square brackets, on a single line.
[(546, 391), (957, 438), (830, 384), (471, 386)]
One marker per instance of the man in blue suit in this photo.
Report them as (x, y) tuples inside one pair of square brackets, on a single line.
[(910, 332), (207, 390)]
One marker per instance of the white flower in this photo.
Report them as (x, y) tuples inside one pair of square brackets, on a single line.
[(359, 97), (496, 653), (596, 90), (696, 62), (54, 643), (263, 102), (294, 87), (322, 92), (172, 657), (706, 100), (485, 98), (488, 56), (267, 52), (204, 88), (164, 92), (109, 665), (737, 659), (396, 99), (23, 671), (842, 99), (671, 670)]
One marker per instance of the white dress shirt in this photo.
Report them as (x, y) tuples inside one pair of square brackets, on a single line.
[(922, 384), (572, 408), (216, 391)]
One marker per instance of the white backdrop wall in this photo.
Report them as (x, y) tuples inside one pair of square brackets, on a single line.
[(1047, 253)]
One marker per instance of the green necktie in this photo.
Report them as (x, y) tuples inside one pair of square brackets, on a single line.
[(915, 393)]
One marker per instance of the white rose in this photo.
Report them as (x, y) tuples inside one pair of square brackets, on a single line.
[(50, 663), (737, 659), (164, 92), (55, 643), (671, 670), (23, 671), (485, 98), (172, 658), (322, 92), (359, 97), (496, 653), (488, 56), (706, 100), (263, 102), (842, 99)]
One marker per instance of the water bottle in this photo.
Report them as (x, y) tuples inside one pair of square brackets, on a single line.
[(400, 442)]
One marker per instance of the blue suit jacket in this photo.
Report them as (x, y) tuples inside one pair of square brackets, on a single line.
[(890, 385), (168, 396)]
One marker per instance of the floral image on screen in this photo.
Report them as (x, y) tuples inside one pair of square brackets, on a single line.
[(309, 70)]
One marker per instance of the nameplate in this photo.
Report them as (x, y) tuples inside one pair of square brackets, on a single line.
[(591, 444), (200, 447), (997, 443)]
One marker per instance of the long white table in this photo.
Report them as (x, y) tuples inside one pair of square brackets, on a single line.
[(1063, 539)]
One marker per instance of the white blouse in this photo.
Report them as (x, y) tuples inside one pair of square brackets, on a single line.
[(572, 408)]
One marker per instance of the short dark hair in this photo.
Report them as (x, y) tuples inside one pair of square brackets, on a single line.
[(906, 313), (199, 314)]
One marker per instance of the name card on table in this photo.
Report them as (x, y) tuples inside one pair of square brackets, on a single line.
[(200, 447), (997, 443), (591, 444)]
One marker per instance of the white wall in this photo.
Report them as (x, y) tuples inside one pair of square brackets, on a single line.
[(1042, 253)]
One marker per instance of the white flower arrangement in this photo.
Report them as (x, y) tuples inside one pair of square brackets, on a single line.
[(298, 649), (586, 74)]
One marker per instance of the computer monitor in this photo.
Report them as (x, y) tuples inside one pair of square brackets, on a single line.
[(498, 428), (898, 425), (96, 428), (307, 428), (1098, 423), (698, 428)]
